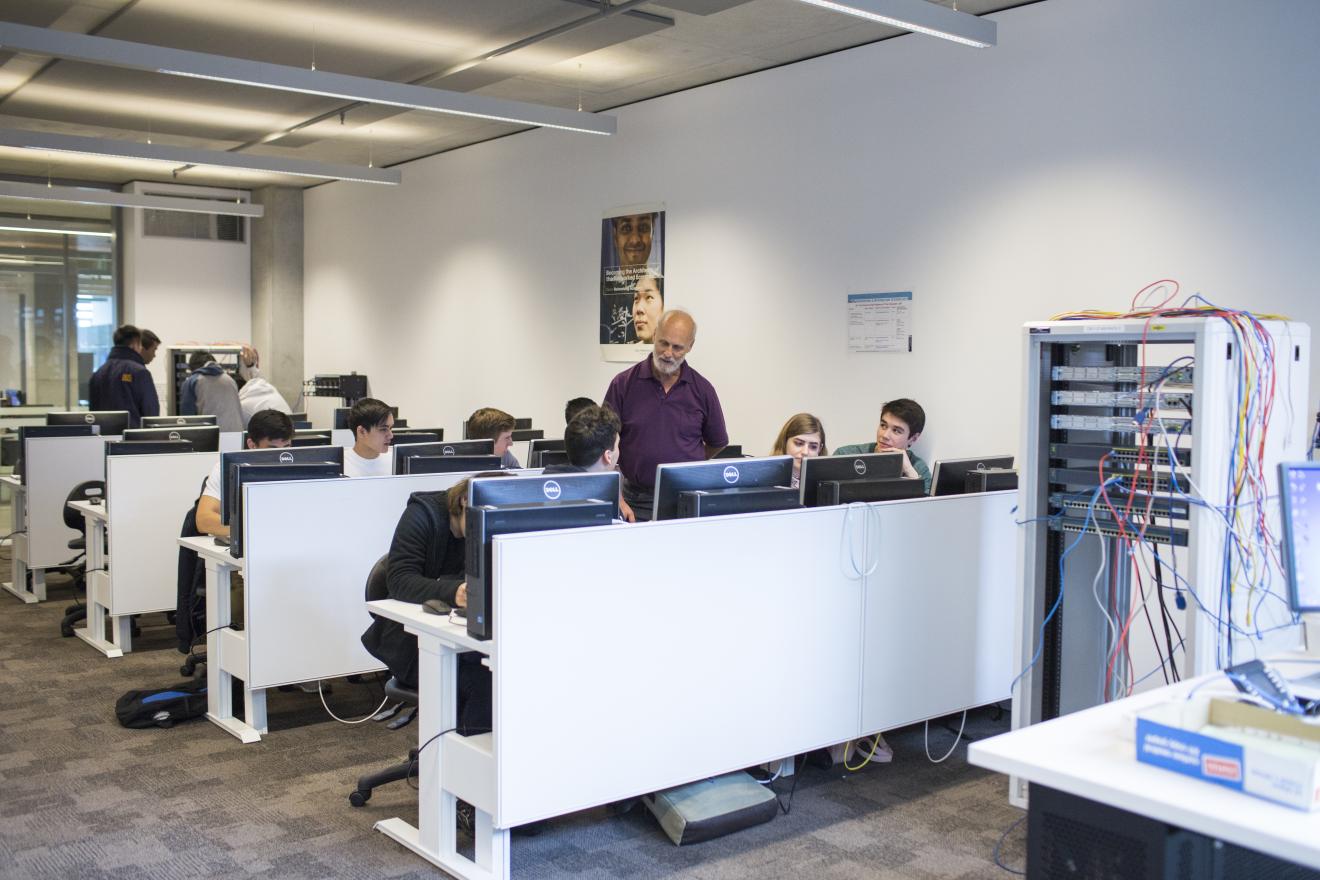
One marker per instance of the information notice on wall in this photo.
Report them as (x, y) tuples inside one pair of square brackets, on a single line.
[(880, 321)]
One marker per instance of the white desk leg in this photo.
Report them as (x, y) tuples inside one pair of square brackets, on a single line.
[(435, 840), (219, 681), (98, 598), (18, 548), (254, 708)]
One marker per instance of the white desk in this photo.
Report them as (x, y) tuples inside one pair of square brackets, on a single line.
[(1092, 754), (98, 587), (18, 582), (226, 649), (689, 662), (452, 766)]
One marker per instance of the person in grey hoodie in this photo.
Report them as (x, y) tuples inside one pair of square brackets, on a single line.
[(210, 391)]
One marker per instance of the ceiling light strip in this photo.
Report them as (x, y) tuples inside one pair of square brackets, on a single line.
[(47, 230), (259, 74), (63, 143), (920, 17), (38, 192)]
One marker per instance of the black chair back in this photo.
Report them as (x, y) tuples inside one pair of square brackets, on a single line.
[(84, 491), (376, 588)]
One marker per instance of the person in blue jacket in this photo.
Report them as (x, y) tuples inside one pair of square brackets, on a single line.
[(123, 381)]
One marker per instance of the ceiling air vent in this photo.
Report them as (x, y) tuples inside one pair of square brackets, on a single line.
[(200, 227)]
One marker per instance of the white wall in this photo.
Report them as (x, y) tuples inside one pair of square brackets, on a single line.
[(1100, 146), (185, 290)]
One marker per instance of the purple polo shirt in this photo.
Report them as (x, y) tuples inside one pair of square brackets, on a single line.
[(661, 428)]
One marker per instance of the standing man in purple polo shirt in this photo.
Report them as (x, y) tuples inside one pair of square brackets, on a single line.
[(669, 411)]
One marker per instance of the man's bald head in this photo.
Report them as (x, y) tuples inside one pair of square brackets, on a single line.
[(675, 333)]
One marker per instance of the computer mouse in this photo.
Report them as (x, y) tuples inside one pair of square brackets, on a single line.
[(435, 606)]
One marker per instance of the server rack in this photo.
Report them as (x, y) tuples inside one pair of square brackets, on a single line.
[(225, 355), (1091, 414)]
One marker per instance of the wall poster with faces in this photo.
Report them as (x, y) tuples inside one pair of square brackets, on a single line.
[(632, 280)]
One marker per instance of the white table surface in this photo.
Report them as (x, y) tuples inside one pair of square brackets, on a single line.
[(1092, 754), (90, 510), (421, 622)]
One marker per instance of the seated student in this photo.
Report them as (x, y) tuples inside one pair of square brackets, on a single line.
[(901, 423), (268, 429), (428, 561), (210, 391), (803, 436), (489, 423), (575, 406), (592, 442), (372, 425)]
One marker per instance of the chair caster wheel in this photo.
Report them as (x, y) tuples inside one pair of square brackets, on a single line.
[(359, 798)]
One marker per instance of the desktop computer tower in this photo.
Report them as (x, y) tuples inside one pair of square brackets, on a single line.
[(485, 522)]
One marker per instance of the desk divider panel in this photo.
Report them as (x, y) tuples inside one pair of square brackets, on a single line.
[(231, 441), (940, 607), (341, 437), (147, 497), (309, 545), (679, 649), (53, 467)]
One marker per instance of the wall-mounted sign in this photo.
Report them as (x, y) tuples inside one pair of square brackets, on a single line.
[(632, 280)]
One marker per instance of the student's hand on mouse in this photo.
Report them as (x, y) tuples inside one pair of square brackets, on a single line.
[(626, 512), (460, 597)]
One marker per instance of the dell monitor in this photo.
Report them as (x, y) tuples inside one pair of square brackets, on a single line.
[(111, 422), (715, 488), (245, 473), (178, 421), (950, 475), (204, 438), (147, 447), (832, 492), (526, 504), (229, 461), (539, 446), (414, 437), (1299, 485), (405, 449), (521, 434), (733, 450), (871, 466), (449, 464), (551, 457)]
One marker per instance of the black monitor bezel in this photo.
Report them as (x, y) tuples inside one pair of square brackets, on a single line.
[(671, 479), (300, 454), (197, 435), (820, 468), (963, 467), (502, 491), (112, 418)]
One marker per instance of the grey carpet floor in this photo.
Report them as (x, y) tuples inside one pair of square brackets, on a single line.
[(82, 797)]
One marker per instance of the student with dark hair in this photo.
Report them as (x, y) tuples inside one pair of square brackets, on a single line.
[(123, 382), (268, 429), (150, 342), (489, 423), (592, 442), (428, 561), (210, 391), (901, 423), (372, 424), (575, 406)]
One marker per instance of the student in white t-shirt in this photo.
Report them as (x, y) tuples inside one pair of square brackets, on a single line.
[(268, 429), (372, 425)]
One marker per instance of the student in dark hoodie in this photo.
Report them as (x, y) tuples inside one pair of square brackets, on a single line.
[(210, 391), (428, 561), (123, 381)]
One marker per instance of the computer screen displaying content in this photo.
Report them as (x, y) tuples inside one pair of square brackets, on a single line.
[(178, 421), (526, 504), (449, 464), (718, 487), (950, 475), (840, 468), (111, 422), (204, 438), (229, 461), (542, 445), (245, 473), (1300, 495)]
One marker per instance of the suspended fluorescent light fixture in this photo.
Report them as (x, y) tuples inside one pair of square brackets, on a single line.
[(259, 74), (920, 17), (86, 146), (37, 192), (46, 228)]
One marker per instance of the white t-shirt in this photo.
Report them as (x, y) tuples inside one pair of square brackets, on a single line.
[(357, 466), (212, 489)]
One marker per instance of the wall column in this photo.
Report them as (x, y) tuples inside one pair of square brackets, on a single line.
[(277, 288)]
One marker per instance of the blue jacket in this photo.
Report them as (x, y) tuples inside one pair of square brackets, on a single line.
[(124, 382)]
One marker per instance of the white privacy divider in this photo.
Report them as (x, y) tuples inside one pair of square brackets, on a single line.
[(309, 546), (147, 497), (52, 466)]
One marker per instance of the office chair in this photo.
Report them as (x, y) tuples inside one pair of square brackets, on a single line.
[(85, 491), (376, 590)]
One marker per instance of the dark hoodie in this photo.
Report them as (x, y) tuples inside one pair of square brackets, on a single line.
[(124, 383)]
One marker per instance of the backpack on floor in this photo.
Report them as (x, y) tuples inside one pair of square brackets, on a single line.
[(162, 707)]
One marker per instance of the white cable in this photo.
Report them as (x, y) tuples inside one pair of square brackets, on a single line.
[(320, 692), (1111, 637), (957, 739)]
